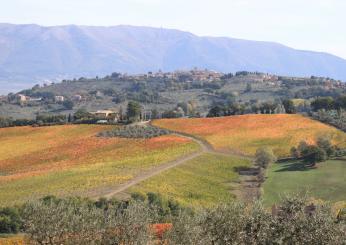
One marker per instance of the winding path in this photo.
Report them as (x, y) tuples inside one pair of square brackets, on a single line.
[(205, 147)]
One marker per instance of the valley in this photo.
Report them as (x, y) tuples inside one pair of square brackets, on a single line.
[(197, 165)]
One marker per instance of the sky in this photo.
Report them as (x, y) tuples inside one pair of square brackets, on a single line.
[(318, 25)]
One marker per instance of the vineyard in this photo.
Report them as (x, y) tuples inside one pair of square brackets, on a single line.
[(203, 181), (72, 160), (244, 134), (12, 240)]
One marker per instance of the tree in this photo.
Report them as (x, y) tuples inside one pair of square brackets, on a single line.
[(115, 75), (216, 111), (313, 155), (81, 114), (294, 152), (155, 114), (264, 156), (134, 111), (280, 109), (324, 143), (69, 118), (248, 88), (10, 221), (340, 102), (289, 106), (326, 103), (68, 104), (302, 147)]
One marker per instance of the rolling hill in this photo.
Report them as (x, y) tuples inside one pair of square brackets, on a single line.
[(70, 160), (196, 167), (245, 133), (32, 53)]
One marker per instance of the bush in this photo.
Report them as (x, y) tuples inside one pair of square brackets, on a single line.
[(78, 221), (264, 156), (294, 221), (68, 104), (10, 221), (138, 132)]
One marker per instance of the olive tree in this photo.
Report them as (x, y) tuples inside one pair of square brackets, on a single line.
[(264, 156)]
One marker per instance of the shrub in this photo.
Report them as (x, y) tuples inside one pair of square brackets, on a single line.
[(294, 221), (80, 221), (264, 156), (140, 132), (10, 221), (325, 144)]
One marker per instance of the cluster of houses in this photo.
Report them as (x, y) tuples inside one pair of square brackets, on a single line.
[(25, 98), (194, 75), (20, 98)]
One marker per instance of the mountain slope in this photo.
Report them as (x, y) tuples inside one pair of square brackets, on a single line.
[(30, 53)]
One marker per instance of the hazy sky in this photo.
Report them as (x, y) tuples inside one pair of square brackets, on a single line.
[(303, 24)]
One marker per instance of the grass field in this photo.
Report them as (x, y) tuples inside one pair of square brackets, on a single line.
[(327, 182), (71, 160), (244, 134), (203, 181)]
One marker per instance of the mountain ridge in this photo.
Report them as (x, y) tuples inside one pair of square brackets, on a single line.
[(31, 53)]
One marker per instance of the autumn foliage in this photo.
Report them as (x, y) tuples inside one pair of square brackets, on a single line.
[(245, 133), (71, 159)]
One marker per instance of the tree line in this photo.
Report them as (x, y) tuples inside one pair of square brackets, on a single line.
[(295, 220)]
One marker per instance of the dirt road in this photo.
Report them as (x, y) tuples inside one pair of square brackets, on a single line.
[(205, 147)]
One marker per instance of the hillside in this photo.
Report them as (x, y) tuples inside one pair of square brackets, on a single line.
[(32, 53), (244, 134), (70, 160), (326, 182), (164, 91)]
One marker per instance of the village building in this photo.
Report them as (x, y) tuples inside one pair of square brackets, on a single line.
[(77, 97), (59, 98), (99, 94), (33, 99), (3, 98), (21, 98), (107, 115)]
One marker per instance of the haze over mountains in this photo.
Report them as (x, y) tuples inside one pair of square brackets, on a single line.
[(32, 53)]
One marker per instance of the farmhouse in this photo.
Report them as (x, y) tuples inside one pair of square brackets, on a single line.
[(107, 115), (77, 97), (21, 97), (3, 98), (59, 98), (34, 99)]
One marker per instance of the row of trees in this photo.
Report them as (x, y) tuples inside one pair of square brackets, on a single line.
[(311, 154), (145, 220), (233, 108), (336, 118), (40, 120), (329, 103), (133, 114)]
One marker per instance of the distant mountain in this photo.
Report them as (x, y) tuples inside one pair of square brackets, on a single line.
[(32, 53)]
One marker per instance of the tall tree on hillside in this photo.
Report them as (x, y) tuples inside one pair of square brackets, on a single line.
[(134, 111), (248, 88)]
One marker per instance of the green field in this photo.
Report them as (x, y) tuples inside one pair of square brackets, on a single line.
[(326, 182), (203, 181)]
